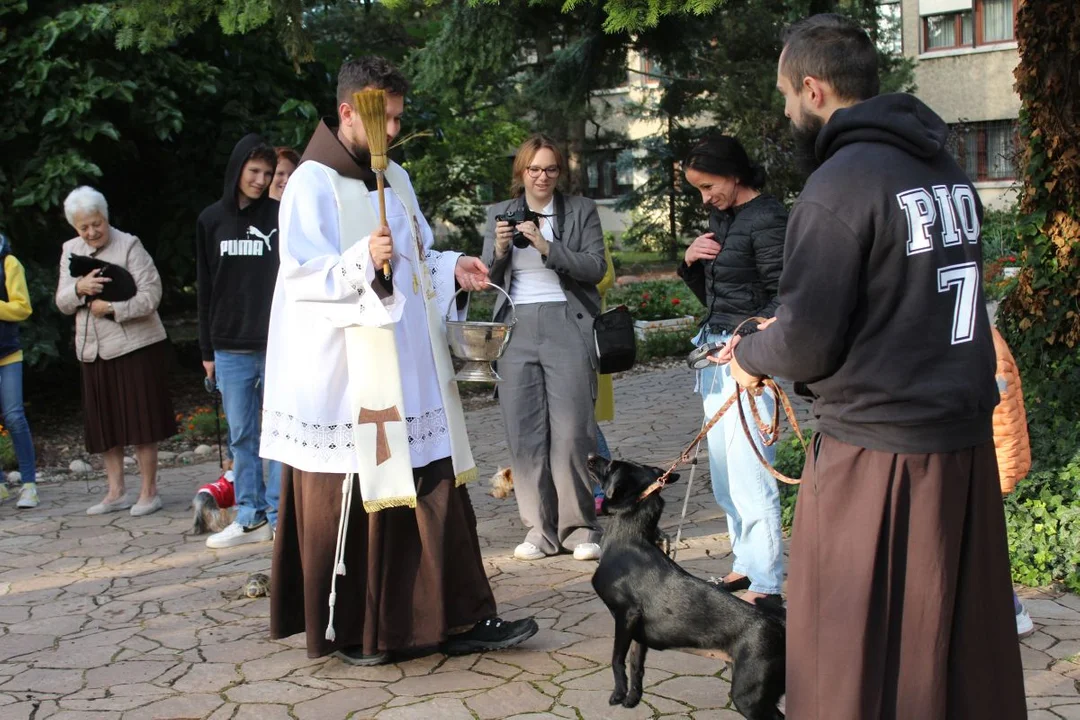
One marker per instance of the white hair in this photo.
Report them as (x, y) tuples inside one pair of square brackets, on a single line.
[(85, 200)]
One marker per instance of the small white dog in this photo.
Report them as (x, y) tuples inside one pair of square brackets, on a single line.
[(502, 483)]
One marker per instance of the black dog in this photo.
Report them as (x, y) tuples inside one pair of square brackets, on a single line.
[(658, 605), (121, 286)]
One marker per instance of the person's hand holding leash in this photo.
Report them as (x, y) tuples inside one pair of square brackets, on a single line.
[(100, 308), (727, 353), (745, 379)]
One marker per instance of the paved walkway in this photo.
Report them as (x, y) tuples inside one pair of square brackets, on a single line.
[(121, 618)]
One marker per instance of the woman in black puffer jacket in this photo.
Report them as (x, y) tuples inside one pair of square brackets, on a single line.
[(734, 269)]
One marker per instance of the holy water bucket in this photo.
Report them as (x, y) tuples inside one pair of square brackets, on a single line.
[(479, 344)]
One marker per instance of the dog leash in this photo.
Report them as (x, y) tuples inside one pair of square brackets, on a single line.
[(769, 433)]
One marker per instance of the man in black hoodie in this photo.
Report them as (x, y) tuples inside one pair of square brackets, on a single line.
[(237, 261), (899, 584)]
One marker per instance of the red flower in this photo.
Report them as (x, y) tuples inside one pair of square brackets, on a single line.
[(1012, 258), (643, 304), (675, 301), (644, 296)]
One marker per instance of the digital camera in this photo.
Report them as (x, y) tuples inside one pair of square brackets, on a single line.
[(514, 217)]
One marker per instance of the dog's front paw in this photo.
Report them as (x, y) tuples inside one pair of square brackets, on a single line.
[(617, 697), (632, 699)]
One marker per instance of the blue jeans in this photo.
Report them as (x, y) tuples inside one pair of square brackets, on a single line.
[(240, 377), (603, 451), (11, 406), (743, 488)]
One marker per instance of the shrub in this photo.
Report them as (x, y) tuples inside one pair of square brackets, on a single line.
[(656, 300), (8, 461), (663, 345), (201, 426), (790, 458), (1043, 511)]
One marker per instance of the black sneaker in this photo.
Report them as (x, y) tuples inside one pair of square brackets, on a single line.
[(491, 634), (354, 655)]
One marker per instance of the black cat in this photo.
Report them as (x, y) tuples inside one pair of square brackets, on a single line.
[(121, 286)]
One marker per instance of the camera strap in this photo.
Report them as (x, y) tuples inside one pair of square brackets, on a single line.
[(560, 213)]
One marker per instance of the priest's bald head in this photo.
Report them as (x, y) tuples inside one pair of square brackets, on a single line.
[(369, 72)]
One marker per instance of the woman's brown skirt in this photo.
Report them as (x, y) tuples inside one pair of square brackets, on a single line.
[(899, 602), (126, 399), (412, 575)]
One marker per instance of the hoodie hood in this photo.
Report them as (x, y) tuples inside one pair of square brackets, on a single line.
[(239, 156), (896, 119), (326, 149)]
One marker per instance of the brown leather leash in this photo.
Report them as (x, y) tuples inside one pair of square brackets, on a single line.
[(769, 433)]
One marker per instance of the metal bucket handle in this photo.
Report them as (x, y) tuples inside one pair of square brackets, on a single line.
[(513, 308)]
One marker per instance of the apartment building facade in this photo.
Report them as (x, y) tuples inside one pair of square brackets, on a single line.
[(965, 52)]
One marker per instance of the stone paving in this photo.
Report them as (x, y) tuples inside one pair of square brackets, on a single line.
[(121, 618)]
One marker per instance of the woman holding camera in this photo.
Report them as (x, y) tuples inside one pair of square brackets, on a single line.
[(122, 348), (546, 250), (734, 270)]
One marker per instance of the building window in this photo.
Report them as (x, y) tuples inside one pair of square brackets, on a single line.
[(986, 150), (610, 174), (951, 30), (649, 70), (988, 22), (997, 20)]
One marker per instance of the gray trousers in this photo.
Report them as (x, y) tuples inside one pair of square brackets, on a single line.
[(547, 397)]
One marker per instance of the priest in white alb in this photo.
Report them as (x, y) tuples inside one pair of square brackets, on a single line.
[(376, 550)]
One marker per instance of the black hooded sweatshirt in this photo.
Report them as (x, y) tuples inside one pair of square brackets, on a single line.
[(237, 263), (881, 304)]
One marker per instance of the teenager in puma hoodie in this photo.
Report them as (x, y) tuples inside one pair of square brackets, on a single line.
[(237, 264)]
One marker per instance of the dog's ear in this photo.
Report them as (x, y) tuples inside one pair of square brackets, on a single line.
[(672, 477)]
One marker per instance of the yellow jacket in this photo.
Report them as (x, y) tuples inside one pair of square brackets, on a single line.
[(1010, 420), (605, 390), (17, 308)]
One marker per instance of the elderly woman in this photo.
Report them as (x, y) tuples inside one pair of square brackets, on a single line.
[(123, 350), (550, 265)]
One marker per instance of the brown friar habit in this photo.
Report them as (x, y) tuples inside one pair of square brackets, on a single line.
[(413, 574), (899, 605)]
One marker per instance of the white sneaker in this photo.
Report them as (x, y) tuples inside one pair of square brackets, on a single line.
[(28, 497), (528, 551), (237, 534), (587, 551), (1024, 626)]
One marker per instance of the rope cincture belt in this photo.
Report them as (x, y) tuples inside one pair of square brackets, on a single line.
[(339, 549), (769, 433)]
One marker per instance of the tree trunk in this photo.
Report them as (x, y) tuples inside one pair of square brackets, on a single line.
[(1042, 312), (575, 133)]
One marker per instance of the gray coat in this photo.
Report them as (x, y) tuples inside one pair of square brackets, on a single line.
[(577, 257)]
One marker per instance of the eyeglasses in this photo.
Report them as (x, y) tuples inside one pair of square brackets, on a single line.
[(534, 171)]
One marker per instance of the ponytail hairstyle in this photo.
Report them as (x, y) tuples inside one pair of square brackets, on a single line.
[(725, 156)]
